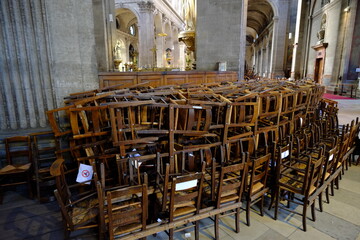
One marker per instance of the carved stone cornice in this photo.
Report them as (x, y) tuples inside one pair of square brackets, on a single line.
[(146, 6), (119, 5), (165, 18)]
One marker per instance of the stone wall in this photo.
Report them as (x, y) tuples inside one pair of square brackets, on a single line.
[(47, 50), (220, 34)]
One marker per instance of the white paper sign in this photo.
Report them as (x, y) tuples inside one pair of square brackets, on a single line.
[(186, 185), (284, 154), (85, 173)]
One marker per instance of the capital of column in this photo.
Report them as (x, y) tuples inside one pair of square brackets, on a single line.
[(146, 6)]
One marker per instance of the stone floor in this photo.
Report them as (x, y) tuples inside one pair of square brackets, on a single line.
[(22, 218)]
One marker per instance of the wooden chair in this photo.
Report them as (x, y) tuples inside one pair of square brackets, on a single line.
[(327, 175), (128, 127), (300, 184), (185, 200), (79, 203), (257, 186), (18, 170), (230, 189), (44, 147), (127, 210), (241, 117), (288, 105)]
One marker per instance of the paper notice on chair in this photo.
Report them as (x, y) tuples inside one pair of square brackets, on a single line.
[(186, 185), (285, 154), (85, 173)]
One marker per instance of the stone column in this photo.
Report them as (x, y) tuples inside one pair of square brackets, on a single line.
[(273, 47), (279, 40), (266, 61), (104, 32), (261, 62), (146, 34), (216, 39), (296, 39)]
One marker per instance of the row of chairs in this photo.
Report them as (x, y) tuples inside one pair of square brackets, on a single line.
[(301, 177), (180, 199), (28, 160), (151, 136)]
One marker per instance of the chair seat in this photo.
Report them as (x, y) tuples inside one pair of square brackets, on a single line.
[(229, 198), (81, 215), (184, 210), (257, 187), (294, 181), (15, 168), (126, 229)]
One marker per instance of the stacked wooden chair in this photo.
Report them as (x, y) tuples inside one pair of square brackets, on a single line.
[(239, 142)]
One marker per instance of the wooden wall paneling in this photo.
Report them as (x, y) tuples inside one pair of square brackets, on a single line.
[(176, 78), (154, 78), (111, 79), (197, 77)]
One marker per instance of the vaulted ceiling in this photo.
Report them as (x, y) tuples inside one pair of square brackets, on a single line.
[(260, 14)]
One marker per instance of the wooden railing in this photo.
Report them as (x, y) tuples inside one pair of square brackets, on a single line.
[(155, 79)]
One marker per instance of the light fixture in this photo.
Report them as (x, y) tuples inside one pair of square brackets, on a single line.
[(290, 35), (162, 34), (347, 9)]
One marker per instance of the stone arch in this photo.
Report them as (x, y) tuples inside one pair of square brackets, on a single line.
[(127, 18)]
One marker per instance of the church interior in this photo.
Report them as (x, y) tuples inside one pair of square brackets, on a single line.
[(180, 119)]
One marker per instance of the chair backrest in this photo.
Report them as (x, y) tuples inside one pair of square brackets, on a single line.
[(18, 150), (258, 171), (329, 163), (185, 197), (142, 168), (283, 157), (241, 117), (231, 183), (127, 209), (313, 179)]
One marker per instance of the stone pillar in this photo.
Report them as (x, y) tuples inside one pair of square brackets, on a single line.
[(266, 61), (146, 34), (273, 47), (261, 69), (216, 39), (105, 33), (279, 40), (296, 39)]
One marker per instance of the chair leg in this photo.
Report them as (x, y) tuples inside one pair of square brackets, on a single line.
[(327, 194), (304, 216), (320, 202), (237, 220), (262, 205), (197, 230), (332, 187), (171, 234), (29, 186), (216, 226), (337, 182), (248, 203), (313, 211), (277, 199)]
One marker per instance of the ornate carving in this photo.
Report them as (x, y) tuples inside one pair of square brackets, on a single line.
[(146, 6), (189, 14), (119, 5), (321, 33)]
